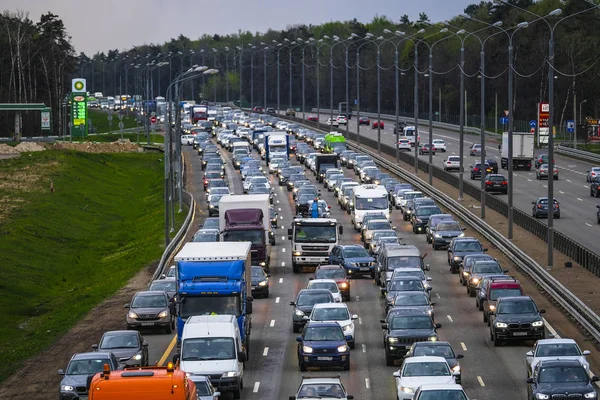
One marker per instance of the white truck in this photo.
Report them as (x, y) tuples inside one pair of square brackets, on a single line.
[(246, 218), (276, 145), (369, 198), (409, 133), (312, 241), (523, 147)]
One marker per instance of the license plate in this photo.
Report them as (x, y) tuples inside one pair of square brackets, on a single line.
[(147, 323), (253, 287), (364, 268), (324, 358), (520, 334)]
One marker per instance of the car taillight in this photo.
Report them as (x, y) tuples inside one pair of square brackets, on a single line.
[(489, 183), (475, 169), (448, 162), (539, 206), (505, 183)]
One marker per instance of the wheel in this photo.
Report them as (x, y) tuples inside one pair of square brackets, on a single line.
[(433, 153), (428, 240), (352, 345), (480, 306), (302, 366), (496, 341), (558, 216), (389, 361), (169, 329), (237, 394), (435, 246), (295, 329), (347, 365), (295, 268), (485, 319), (556, 178)]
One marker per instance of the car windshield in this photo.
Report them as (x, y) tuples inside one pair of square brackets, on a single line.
[(427, 211), (377, 225), (120, 341), (330, 273), (167, 286), (209, 305), (310, 299), (211, 223), (563, 374), (426, 369), (411, 322), (406, 285), (484, 267), (371, 203), (448, 226), (441, 394), (467, 246), (321, 390), (205, 237), (149, 301), (331, 286), (315, 233), (402, 261), (323, 333), (355, 252), (258, 272), (558, 350), (202, 388), (496, 178), (207, 348), (257, 237), (416, 299), (495, 294), (87, 367), (330, 314), (517, 307), (434, 351)]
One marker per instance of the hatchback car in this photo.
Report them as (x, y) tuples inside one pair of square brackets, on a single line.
[(364, 121), (540, 208), (438, 349), (323, 344), (496, 183), (439, 144), (476, 170), (74, 384), (377, 124), (544, 173), (424, 149), (475, 150), (151, 309), (335, 312), (404, 144), (129, 347), (452, 163)]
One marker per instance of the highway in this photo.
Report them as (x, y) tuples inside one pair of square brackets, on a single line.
[(578, 209), (272, 371)]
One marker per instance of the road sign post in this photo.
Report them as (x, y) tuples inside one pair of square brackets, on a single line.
[(45, 118), (543, 123), (79, 111)]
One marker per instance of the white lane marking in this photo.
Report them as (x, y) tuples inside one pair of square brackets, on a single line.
[(283, 238), (283, 263), (256, 386), (359, 321), (529, 180), (277, 201), (545, 186), (364, 348), (367, 383), (280, 280), (568, 180), (588, 224), (279, 208), (585, 186), (464, 346), (272, 324), (480, 381), (265, 351), (561, 192), (437, 295), (283, 250), (449, 318), (552, 331), (276, 300), (579, 199), (357, 298), (281, 219)]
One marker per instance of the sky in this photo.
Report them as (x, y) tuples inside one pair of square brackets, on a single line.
[(99, 26)]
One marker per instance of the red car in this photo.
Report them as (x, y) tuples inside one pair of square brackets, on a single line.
[(364, 121), (338, 274), (376, 125), (312, 118), (258, 109)]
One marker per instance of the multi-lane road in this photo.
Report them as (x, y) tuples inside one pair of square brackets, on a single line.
[(578, 210), (272, 371)]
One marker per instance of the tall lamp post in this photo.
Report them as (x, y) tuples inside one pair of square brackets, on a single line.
[(369, 38), (311, 42), (280, 47), (337, 41)]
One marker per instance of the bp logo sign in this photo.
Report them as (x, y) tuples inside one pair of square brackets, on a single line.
[(78, 85)]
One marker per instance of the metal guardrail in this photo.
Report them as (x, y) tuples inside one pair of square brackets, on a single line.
[(575, 153), (559, 294)]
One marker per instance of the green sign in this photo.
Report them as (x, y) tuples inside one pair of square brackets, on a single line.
[(79, 114)]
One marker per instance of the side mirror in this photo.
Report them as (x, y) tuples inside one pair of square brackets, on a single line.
[(383, 290), (529, 380), (485, 250), (505, 271), (241, 356), (216, 395), (429, 289), (586, 353), (438, 326), (176, 358), (459, 356), (126, 305), (340, 229), (248, 307), (432, 303), (292, 303), (311, 278), (350, 397), (299, 339), (533, 202), (542, 311), (393, 227), (396, 374), (595, 378), (384, 326), (290, 233), (95, 347), (464, 229), (529, 353), (268, 275), (348, 337), (305, 318), (292, 398), (429, 279), (61, 371), (145, 344), (354, 316)]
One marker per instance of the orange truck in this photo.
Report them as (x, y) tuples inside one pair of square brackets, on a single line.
[(147, 383)]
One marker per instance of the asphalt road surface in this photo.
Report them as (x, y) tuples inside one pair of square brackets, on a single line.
[(272, 371)]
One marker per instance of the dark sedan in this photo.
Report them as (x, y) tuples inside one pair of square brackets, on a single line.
[(496, 183), (151, 310), (540, 208), (129, 347), (476, 170), (260, 282), (444, 231), (364, 121)]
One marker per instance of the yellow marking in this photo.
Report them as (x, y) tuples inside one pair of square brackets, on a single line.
[(167, 351)]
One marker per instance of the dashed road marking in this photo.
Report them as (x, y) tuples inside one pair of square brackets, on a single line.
[(279, 208), (449, 318), (585, 186), (283, 238), (272, 324), (280, 280), (283, 250), (367, 383), (277, 201), (265, 351), (561, 192), (480, 381), (579, 199), (545, 186), (357, 298), (588, 225), (528, 179), (359, 321), (256, 386), (277, 300), (552, 331), (568, 180), (364, 348), (281, 217), (437, 295), (283, 263), (464, 346)]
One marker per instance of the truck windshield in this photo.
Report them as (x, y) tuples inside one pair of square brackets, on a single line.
[(315, 233), (207, 348), (277, 148), (371, 203), (257, 237), (210, 305)]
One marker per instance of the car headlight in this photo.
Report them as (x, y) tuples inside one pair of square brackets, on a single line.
[(492, 307), (132, 315), (466, 273), (501, 325), (343, 285), (430, 311), (590, 395), (297, 253), (66, 388), (456, 369), (299, 313), (347, 327), (163, 314), (408, 211), (392, 340), (406, 389), (137, 357), (307, 349), (461, 235), (542, 396), (229, 374), (475, 281), (263, 283), (437, 235), (538, 323), (432, 338), (342, 349)]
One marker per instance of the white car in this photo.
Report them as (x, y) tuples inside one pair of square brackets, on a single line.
[(187, 139), (377, 241), (324, 209), (404, 144), (335, 312), (330, 182), (219, 191), (328, 284), (449, 391), (418, 371), (333, 122), (550, 349), (440, 145), (255, 179), (452, 163), (592, 174), (342, 120), (399, 197), (274, 164), (316, 387)]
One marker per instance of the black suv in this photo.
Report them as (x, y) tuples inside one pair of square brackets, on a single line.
[(420, 217), (561, 379), (305, 301), (459, 248), (402, 328), (516, 318)]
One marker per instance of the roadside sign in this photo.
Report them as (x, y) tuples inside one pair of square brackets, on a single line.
[(120, 117), (110, 117), (45, 120), (532, 124), (153, 119), (532, 130), (570, 126), (504, 120), (121, 125)]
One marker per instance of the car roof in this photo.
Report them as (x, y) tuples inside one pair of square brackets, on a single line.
[(560, 363), (316, 379), (331, 305), (92, 355), (556, 341), (408, 311), (441, 386), (430, 343), (409, 269), (324, 280), (330, 266), (504, 284), (411, 360), (515, 298), (323, 323), (309, 291), (125, 332), (149, 293)]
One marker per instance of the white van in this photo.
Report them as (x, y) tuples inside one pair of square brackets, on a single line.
[(211, 345), (369, 198)]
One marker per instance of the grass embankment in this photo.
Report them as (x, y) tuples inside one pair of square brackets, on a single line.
[(62, 253), (113, 137), (100, 121)]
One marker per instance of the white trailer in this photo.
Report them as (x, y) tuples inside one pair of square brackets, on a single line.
[(523, 148)]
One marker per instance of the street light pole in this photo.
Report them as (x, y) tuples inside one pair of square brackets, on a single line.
[(265, 77), (378, 99)]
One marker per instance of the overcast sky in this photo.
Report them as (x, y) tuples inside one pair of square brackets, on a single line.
[(120, 24)]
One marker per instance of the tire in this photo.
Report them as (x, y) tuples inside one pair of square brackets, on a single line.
[(352, 345), (435, 246), (295, 268), (169, 329), (389, 361), (471, 293), (237, 394), (347, 365), (485, 319), (496, 342), (480, 306), (295, 329), (302, 366)]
